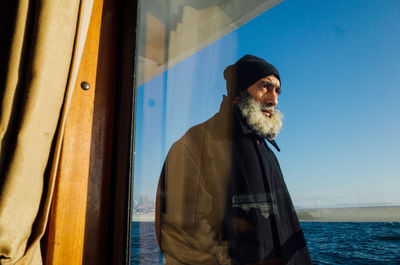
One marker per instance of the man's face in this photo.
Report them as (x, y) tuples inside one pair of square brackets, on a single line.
[(257, 105), (266, 92)]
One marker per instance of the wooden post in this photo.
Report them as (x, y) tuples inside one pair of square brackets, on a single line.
[(67, 221)]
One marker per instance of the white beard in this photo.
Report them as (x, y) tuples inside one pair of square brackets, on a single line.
[(264, 126)]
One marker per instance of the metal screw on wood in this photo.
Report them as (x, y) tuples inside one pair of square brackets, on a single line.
[(85, 85)]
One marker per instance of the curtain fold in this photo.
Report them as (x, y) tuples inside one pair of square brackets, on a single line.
[(45, 49)]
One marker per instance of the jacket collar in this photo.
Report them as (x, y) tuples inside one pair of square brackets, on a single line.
[(243, 127)]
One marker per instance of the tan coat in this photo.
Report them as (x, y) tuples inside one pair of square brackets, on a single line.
[(193, 187)]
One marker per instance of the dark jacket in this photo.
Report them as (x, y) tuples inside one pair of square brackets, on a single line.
[(222, 198)]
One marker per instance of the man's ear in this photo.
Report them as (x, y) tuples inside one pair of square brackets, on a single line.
[(236, 100)]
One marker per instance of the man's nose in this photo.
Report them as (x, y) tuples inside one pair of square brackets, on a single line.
[(271, 99)]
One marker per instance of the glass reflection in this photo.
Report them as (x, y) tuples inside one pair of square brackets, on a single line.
[(338, 63), (221, 197)]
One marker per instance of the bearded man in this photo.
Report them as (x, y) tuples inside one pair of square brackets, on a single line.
[(221, 197)]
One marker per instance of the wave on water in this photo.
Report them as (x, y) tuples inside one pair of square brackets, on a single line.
[(353, 243), (329, 243), (388, 238)]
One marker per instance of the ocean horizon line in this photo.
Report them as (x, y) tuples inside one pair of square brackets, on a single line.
[(338, 214)]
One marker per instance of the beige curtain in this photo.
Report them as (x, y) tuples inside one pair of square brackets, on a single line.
[(43, 45)]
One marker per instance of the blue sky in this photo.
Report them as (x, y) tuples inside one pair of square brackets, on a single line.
[(339, 63)]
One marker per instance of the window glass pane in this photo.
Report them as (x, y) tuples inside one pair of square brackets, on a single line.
[(221, 190)]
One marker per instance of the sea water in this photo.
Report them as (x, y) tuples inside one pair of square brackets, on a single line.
[(329, 243)]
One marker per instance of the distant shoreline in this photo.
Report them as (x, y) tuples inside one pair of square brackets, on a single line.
[(344, 214), (143, 217), (351, 214)]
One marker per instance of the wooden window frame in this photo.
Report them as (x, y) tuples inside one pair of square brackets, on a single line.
[(102, 235), (124, 136)]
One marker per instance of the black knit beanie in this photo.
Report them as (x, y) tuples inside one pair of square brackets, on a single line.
[(245, 72)]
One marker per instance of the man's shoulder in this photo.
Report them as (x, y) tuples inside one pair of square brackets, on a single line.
[(197, 133), (202, 135)]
